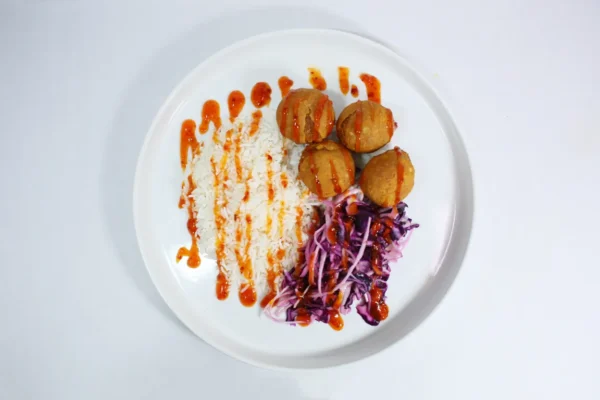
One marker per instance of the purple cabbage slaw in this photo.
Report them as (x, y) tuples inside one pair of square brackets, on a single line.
[(345, 261)]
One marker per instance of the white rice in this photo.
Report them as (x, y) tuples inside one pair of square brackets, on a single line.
[(254, 150)]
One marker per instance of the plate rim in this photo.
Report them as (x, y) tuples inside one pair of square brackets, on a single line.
[(466, 177)]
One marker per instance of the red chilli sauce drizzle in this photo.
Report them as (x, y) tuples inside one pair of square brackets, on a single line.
[(188, 143)]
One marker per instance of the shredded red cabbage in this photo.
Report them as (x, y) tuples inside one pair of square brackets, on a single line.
[(345, 261)]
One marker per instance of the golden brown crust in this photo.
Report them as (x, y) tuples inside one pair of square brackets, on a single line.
[(326, 168), (305, 116), (365, 126), (379, 180)]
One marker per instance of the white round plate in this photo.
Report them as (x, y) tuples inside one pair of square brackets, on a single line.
[(441, 202)]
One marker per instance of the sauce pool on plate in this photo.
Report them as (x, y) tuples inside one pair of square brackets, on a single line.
[(316, 79), (343, 73), (335, 320), (379, 310), (285, 84), (247, 295), (235, 103), (211, 112), (373, 87), (261, 94), (188, 142)]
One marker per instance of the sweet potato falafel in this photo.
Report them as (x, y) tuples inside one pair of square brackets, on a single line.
[(305, 116), (365, 126), (326, 168), (388, 178)]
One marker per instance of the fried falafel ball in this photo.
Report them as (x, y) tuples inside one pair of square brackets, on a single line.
[(305, 116), (388, 178), (365, 126), (326, 168)]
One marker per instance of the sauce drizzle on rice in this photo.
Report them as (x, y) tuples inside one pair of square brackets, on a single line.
[(273, 264), (250, 240), (299, 215), (261, 234), (226, 204), (222, 289), (189, 142), (237, 143), (220, 178), (247, 292), (270, 192), (281, 214), (192, 253), (256, 116)]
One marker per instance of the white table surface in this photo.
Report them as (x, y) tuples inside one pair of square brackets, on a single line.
[(79, 85)]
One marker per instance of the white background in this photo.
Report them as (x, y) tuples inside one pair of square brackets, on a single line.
[(79, 85)]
